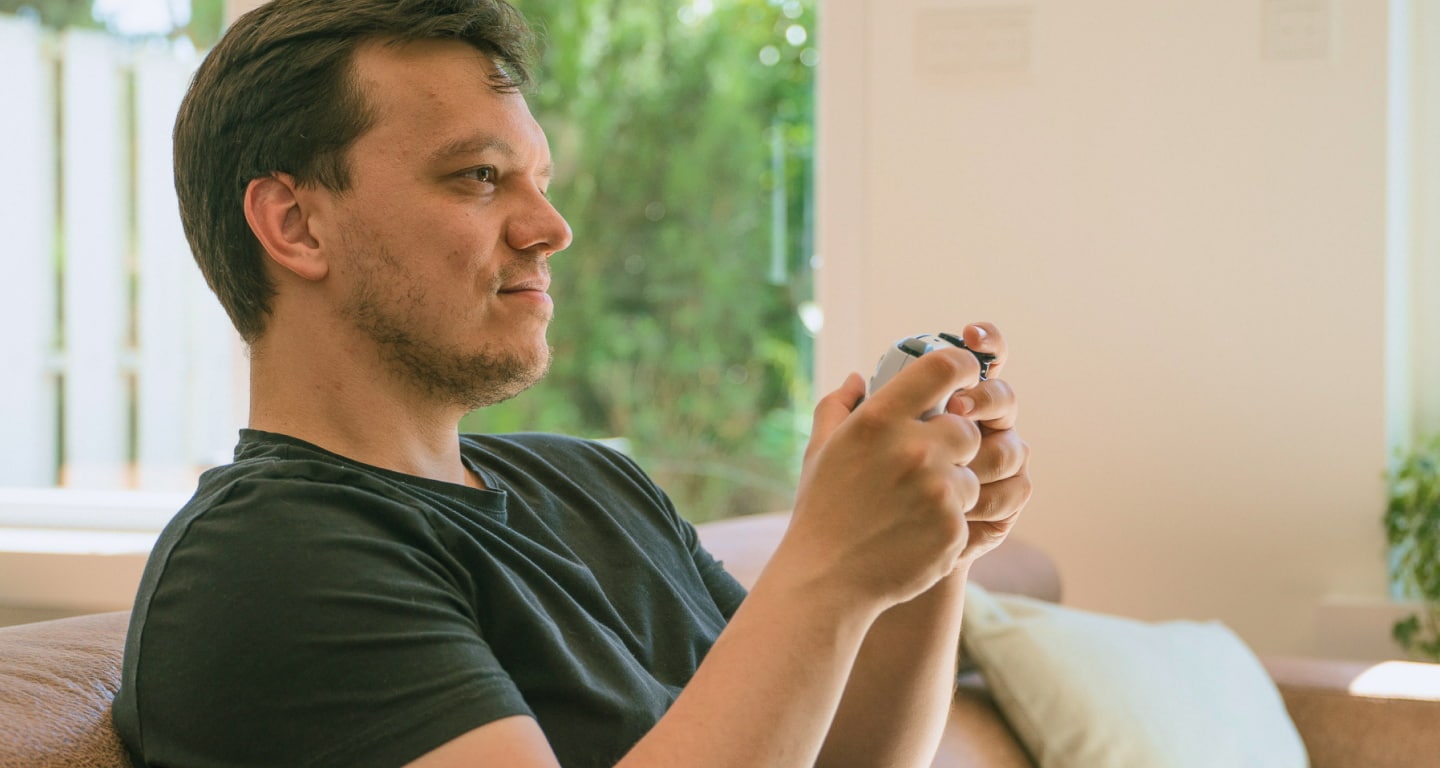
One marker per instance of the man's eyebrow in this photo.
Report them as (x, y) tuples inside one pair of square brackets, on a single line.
[(475, 145)]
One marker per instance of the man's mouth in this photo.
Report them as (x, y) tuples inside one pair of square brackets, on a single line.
[(538, 285)]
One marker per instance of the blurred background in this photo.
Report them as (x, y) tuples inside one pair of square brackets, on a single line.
[(682, 134)]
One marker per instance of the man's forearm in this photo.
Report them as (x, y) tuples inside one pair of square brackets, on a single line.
[(768, 690), (898, 696)]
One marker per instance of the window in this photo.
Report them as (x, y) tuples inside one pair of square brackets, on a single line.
[(681, 132), (1414, 223)]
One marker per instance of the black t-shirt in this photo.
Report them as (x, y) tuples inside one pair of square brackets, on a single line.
[(305, 609)]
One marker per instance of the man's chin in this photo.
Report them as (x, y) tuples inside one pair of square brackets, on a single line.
[(497, 380)]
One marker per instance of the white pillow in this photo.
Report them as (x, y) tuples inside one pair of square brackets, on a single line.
[(1093, 691)]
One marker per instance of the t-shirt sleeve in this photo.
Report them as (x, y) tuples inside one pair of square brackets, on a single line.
[(297, 622), (727, 592), (724, 589)]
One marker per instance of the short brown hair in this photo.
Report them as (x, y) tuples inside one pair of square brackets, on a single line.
[(278, 95)]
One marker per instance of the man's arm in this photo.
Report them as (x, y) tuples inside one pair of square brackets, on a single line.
[(763, 698), (898, 697)]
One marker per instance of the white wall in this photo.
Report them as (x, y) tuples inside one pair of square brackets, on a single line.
[(1182, 230)]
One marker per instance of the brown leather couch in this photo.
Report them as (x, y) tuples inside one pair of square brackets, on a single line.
[(1376, 728), (57, 679)]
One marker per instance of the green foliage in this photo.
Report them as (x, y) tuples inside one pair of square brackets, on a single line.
[(1412, 527), (206, 17), (668, 331), (57, 14)]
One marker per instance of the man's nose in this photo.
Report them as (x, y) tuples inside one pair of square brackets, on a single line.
[(539, 228)]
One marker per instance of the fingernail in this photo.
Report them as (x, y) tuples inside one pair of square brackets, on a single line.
[(966, 405), (980, 332)]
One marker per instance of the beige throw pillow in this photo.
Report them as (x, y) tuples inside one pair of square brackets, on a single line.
[(1086, 690)]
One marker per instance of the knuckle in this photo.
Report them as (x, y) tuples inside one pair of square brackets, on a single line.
[(953, 362), (999, 389), (997, 401), (970, 440), (971, 430), (1003, 500), (967, 487), (913, 455), (1016, 453), (935, 491), (1026, 489), (985, 506), (1005, 453)]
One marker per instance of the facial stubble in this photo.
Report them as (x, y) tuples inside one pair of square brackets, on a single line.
[(389, 308)]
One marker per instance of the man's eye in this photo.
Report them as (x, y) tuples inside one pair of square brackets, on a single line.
[(484, 174)]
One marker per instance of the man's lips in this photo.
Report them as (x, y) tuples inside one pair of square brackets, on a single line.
[(539, 285), (531, 291)]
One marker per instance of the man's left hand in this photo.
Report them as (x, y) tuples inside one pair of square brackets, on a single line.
[(1003, 461)]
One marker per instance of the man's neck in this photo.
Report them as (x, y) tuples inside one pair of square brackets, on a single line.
[(363, 416)]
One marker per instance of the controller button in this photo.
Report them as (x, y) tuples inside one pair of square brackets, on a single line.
[(914, 347), (953, 339)]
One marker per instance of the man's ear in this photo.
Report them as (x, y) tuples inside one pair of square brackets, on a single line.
[(282, 224)]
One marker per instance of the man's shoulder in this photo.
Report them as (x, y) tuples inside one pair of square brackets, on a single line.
[(283, 468), (292, 490), (549, 444), (532, 451), (569, 466)]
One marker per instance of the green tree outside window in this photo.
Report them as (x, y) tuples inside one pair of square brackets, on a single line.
[(677, 316)]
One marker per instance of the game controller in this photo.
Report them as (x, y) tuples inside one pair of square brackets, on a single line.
[(910, 348)]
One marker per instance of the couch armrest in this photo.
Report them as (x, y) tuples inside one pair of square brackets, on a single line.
[(1353, 713), (57, 681)]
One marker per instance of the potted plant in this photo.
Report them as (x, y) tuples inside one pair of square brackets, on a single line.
[(1412, 527)]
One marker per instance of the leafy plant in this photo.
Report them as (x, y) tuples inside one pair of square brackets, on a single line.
[(676, 318), (1412, 527)]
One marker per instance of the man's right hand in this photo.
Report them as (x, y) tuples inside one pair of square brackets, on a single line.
[(880, 511)]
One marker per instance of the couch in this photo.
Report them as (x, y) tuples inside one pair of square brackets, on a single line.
[(57, 679)]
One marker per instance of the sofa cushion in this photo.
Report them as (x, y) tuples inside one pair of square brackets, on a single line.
[(57, 680), (1085, 689)]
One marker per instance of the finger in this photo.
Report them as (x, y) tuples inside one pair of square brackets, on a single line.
[(1004, 507), (985, 337), (926, 381), (981, 537), (1000, 455), (992, 403), (1001, 500), (832, 410), (960, 438), (967, 489)]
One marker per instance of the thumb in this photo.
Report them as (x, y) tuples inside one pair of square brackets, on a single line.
[(832, 410)]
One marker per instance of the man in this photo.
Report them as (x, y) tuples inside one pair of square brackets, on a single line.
[(364, 188)]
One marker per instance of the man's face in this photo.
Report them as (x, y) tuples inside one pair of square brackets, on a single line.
[(445, 234)]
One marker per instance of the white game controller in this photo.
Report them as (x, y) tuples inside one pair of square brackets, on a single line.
[(910, 348)]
